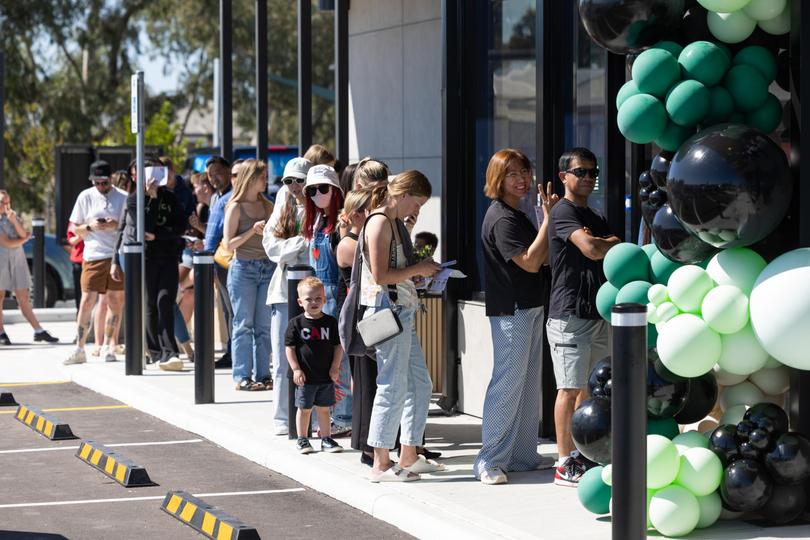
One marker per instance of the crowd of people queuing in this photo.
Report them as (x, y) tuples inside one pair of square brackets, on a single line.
[(353, 226)]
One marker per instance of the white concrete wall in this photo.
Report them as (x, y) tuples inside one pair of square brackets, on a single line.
[(395, 111)]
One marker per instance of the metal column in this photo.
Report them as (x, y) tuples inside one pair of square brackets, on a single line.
[(204, 327), (304, 75), (2, 119), (38, 225), (342, 80), (261, 81), (226, 79), (133, 308)]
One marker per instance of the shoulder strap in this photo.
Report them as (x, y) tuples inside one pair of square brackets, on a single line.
[(392, 253)]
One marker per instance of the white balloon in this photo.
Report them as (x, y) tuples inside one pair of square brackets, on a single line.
[(725, 378), (733, 415), (742, 354), (772, 381), (745, 393)]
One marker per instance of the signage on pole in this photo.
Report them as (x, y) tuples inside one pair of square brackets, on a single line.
[(133, 108)]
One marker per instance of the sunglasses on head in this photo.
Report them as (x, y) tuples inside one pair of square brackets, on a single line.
[(581, 172), (289, 180), (322, 189)]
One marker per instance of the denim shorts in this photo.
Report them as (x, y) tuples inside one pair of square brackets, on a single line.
[(320, 395)]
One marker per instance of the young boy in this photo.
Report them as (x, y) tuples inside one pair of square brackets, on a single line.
[(314, 354)]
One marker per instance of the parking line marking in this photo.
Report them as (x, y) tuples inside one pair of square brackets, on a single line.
[(153, 498), (17, 384), (53, 449), (93, 408)]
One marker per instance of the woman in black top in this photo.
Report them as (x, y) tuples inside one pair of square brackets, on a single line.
[(514, 250)]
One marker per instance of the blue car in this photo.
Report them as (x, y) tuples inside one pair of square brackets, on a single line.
[(58, 270)]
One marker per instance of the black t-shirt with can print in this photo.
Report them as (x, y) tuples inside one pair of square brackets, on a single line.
[(314, 341)]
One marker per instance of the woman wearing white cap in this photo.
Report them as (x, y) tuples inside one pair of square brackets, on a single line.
[(285, 247)]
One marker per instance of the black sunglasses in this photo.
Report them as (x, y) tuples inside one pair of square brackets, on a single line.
[(322, 188), (581, 172), (289, 180)]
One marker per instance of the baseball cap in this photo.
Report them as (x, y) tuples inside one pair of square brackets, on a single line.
[(297, 168), (323, 174), (100, 169)]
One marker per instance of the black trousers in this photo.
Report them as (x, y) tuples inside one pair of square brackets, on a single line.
[(77, 284), (224, 299), (364, 388), (161, 277)]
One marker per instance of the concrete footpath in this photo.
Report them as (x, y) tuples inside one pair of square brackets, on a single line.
[(449, 504)]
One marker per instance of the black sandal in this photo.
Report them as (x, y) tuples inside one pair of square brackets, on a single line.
[(267, 382), (248, 386)]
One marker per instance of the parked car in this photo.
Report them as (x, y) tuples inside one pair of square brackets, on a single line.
[(58, 270)]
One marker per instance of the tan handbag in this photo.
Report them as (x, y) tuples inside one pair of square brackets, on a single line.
[(223, 257)]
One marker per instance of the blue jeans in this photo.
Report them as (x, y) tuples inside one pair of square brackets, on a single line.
[(403, 388), (248, 281), (180, 328), (281, 393)]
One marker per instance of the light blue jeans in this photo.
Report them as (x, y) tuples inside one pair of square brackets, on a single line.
[(403, 387), (281, 392), (248, 281)]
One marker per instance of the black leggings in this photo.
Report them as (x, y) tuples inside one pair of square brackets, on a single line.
[(161, 277)]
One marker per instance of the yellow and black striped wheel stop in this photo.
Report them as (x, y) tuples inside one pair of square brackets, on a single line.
[(7, 400), (120, 469), (203, 517), (43, 423)]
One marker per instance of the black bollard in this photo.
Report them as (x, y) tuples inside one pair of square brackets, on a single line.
[(629, 421), (295, 274), (204, 327), (38, 225), (133, 308)]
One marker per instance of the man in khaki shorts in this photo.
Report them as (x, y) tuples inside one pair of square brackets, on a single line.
[(577, 336), (96, 215)]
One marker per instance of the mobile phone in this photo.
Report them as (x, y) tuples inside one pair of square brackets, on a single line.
[(448, 264), (158, 174)]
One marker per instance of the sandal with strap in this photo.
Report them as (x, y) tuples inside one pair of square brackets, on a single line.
[(395, 473), (249, 386), (267, 382), (422, 465)]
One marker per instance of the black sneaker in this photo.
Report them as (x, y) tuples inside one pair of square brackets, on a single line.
[(569, 472), (328, 444), (224, 362), (303, 446), (4, 339), (43, 335)]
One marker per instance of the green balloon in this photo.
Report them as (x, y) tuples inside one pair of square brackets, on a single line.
[(687, 346), (700, 472), (742, 354), (649, 250), (655, 71), (661, 268), (760, 59), (624, 263), (778, 25), (658, 294), (723, 6), (663, 461), (730, 27), (666, 311), (593, 492), (607, 474), (634, 292), (767, 117), (725, 309), (687, 286), (673, 48), (605, 299), (744, 393), (704, 62), (737, 118), (736, 266), (747, 87), (673, 136), (763, 10), (642, 118), (710, 507), (666, 427), (627, 90), (687, 103), (772, 381), (690, 439), (674, 511), (652, 336), (721, 106), (652, 318)]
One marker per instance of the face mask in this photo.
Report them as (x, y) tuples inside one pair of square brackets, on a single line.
[(322, 200)]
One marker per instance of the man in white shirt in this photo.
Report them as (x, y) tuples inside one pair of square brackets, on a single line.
[(96, 215)]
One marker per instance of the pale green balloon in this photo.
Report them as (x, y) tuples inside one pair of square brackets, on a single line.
[(710, 507), (688, 347), (725, 309), (772, 363), (736, 266), (652, 316), (730, 27), (778, 25), (762, 10), (657, 294), (607, 474), (723, 6), (690, 439), (724, 378), (742, 354), (772, 381), (734, 415), (745, 393), (700, 471), (663, 461), (674, 511), (687, 286), (666, 311)]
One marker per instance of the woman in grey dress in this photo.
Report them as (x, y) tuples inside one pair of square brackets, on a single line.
[(14, 275)]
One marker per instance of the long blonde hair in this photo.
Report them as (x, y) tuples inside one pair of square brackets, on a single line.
[(356, 201), (288, 225), (369, 172), (411, 182), (319, 155), (250, 171)]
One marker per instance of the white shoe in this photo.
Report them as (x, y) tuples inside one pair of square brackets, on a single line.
[(172, 364), (109, 355), (78, 357), (281, 430), (493, 476)]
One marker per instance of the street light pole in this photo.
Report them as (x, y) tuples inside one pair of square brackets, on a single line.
[(304, 75), (261, 81)]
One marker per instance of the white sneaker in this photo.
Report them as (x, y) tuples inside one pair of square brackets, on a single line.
[(109, 355), (493, 476), (281, 430), (172, 364), (78, 357)]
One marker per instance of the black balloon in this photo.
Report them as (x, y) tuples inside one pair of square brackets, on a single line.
[(723, 442), (600, 374), (760, 439), (730, 185), (628, 26), (590, 429), (700, 399), (645, 180), (789, 461), (746, 485), (647, 210), (659, 168), (744, 429), (675, 242), (785, 504), (665, 397), (644, 194), (783, 70), (749, 451), (769, 417), (658, 198)]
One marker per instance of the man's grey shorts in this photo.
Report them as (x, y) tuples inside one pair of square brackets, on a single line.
[(576, 345)]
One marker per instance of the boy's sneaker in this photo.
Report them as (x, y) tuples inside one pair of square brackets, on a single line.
[(569, 472), (78, 357), (43, 335), (303, 446), (328, 444)]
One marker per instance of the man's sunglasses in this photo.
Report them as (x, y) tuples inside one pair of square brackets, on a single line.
[(289, 180), (322, 189), (581, 172)]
